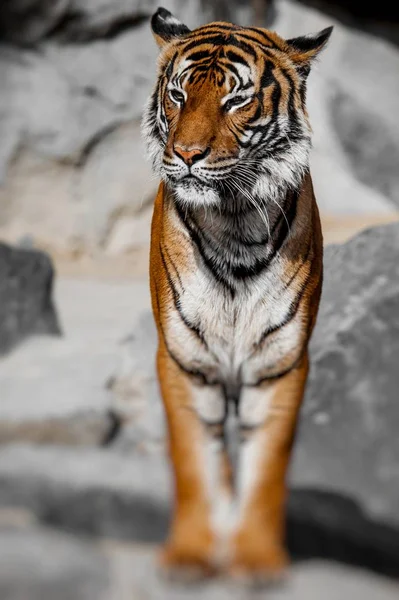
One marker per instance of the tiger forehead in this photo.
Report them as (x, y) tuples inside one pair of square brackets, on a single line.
[(224, 53), (227, 74), (226, 34)]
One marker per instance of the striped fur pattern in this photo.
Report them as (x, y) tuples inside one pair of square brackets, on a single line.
[(235, 272)]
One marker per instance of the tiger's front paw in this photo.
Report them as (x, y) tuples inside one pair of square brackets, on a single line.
[(257, 561), (188, 559)]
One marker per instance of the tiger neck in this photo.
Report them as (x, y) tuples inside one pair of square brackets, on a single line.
[(240, 224), (236, 247)]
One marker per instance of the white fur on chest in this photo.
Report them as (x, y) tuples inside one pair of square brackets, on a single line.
[(231, 327)]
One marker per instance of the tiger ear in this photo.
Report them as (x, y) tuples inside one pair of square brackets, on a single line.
[(303, 50), (166, 27)]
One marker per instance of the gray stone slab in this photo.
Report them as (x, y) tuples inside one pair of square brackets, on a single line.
[(40, 564), (347, 438), (89, 490), (26, 302), (52, 389)]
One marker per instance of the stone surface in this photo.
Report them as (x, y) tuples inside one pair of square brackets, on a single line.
[(52, 389), (134, 389), (370, 143), (347, 437), (40, 564), (27, 21), (26, 303), (93, 491), (354, 124), (385, 11)]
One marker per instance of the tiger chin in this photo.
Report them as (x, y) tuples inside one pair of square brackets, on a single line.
[(235, 274)]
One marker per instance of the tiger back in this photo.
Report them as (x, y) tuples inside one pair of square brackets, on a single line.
[(235, 274)]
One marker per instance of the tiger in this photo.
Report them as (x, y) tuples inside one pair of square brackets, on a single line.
[(236, 262)]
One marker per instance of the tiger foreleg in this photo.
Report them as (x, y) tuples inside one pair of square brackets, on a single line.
[(195, 418), (268, 415)]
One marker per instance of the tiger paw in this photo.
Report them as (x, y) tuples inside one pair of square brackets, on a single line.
[(186, 562), (258, 563)]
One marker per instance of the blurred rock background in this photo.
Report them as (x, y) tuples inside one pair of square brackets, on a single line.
[(84, 486), (74, 75)]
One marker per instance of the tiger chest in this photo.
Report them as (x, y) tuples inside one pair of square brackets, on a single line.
[(219, 336)]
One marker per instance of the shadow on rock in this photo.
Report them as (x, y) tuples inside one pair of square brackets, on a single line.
[(332, 526)]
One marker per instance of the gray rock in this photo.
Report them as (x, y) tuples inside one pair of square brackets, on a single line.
[(135, 391), (384, 11), (26, 304), (27, 21), (52, 389), (40, 564), (352, 62), (347, 438), (93, 491), (370, 143)]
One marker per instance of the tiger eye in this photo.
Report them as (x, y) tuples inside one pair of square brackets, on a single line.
[(176, 96)]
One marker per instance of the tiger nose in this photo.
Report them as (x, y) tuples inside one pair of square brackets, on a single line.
[(190, 155)]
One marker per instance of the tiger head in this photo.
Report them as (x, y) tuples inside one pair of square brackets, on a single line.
[(228, 116)]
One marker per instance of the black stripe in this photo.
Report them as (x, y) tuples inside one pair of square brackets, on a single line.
[(267, 77), (234, 57), (174, 267), (215, 40), (208, 261), (177, 303), (244, 271), (253, 40), (190, 372), (291, 98), (220, 26), (234, 70), (292, 311), (217, 426), (171, 64), (221, 40), (199, 55), (276, 376), (291, 279), (285, 221), (276, 96), (265, 36)]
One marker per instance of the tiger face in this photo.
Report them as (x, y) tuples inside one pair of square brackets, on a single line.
[(227, 118)]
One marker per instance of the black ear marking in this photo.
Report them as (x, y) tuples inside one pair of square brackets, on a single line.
[(311, 44), (166, 27)]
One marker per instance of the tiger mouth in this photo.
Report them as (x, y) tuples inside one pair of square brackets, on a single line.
[(193, 181)]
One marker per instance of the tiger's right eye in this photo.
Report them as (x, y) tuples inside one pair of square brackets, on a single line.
[(176, 96)]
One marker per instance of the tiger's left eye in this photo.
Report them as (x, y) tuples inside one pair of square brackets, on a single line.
[(236, 101), (176, 96)]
